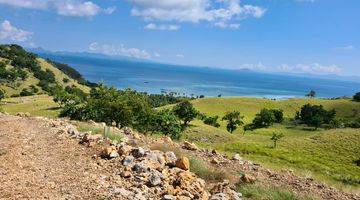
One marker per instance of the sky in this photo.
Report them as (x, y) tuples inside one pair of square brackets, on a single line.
[(291, 36)]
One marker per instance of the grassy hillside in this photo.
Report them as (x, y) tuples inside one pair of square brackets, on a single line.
[(327, 155), (21, 70)]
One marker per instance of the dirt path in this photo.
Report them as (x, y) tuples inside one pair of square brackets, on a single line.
[(38, 163)]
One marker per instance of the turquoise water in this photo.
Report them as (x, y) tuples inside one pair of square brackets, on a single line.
[(154, 78)]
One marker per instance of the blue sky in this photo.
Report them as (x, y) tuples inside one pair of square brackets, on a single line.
[(296, 36)]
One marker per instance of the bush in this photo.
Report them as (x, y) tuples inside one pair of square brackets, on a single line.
[(185, 111), (167, 123), (234, 119), (264, 119), (315, 115), (24, 92), (357, 97), (212, 121), (2, 95)]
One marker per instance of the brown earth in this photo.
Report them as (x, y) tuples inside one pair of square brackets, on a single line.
[(39, 161)]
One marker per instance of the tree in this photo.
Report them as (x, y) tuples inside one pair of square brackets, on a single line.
[(264, 119), (234, 119), (357, 97), (212, 121), (185, 111), (168, 123), (2, 95), (279, 115), (315, 115), (311, 94), (276, 137)]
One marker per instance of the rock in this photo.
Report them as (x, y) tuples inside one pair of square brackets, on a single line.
[(128, 131), (190, 146), (169, 197), (170, 158), (183, 163), (125, 174), (21, 114), (154, 179), (124, 150), (165, 139), (138, 152), (157, 156), (109, 152), (88, 138), (215, 161), (136, 136), (219, 196), (246, 178), (237, 157), (72, 131), (214, 152), (122, 192), (128, 161)]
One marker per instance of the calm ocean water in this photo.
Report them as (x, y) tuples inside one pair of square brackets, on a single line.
[(154, 78)]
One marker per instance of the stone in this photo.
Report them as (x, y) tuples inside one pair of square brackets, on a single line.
[(109, 152), (156, 156), (169, 197), (128, 161), (122, 192), (72, 131), (183, 163), (170, 158), (214, 152), (138, 152), (128, 131), (124, 150), (215, 161), (154, 179), (88, 138), (125, 174), (246, 178), (190, 146), (136, 136), (219, 196), (237, 157), (165, 139)]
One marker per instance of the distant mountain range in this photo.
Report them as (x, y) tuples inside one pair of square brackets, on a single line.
[(44, 53)]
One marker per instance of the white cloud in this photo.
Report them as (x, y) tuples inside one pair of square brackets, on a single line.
[(180, 56), (163, 27), (314, 68), (11, 33), (223, 13), (256, 67), (156, 54), (347, 48), (119, 50), (76, 8)]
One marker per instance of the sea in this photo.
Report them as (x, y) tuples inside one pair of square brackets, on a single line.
[(159, 78)]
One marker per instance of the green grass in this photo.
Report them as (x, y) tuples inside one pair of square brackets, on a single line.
[(39, 105), (326, 155), (260, 192)]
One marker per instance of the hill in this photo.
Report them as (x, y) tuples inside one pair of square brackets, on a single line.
[(326, 155), (23, 73)]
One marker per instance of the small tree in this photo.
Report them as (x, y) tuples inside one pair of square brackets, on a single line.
[(234, 120), (276, 137), (264, 119), (2, 95), (167, 123), (212, 121), (186, 112), (357, 97), (311, 94)]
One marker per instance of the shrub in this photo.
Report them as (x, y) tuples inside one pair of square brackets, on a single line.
[(356, 97), (168, 123), (212, 121), (315, 115), (2, 94), (234, 119), (276, 137), (185, 111), (264, 119), (25, 92)]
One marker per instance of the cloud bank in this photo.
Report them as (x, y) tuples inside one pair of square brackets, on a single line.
[(11, 33), (74, 8), (219, 13), (121, 50)]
